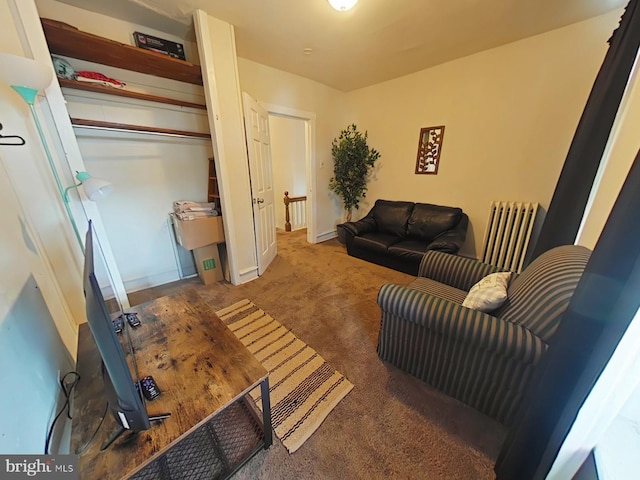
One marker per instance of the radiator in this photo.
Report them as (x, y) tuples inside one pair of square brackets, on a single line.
[(508, 233)]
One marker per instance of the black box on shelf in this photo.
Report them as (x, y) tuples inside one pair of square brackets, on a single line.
[(166, 47)]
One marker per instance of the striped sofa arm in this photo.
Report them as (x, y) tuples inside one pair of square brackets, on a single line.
[(459, 272), (471, 327)]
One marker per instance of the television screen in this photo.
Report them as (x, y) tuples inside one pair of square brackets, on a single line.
[(125, 402)]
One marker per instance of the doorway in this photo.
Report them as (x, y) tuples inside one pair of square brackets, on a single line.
[(288, 161), (292, 134)]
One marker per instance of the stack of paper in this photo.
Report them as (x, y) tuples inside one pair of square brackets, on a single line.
[(187, 210)]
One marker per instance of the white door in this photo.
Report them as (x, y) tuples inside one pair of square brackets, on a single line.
[(256, 121)]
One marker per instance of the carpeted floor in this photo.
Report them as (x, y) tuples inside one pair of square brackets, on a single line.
[(390, 425)]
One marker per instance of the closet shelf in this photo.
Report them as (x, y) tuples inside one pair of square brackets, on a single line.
[(89, 87), (97, 124), (68, 41)]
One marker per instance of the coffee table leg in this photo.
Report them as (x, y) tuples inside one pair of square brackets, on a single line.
[(266, 412)]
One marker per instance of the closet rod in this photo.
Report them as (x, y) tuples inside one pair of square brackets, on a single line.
[(123, 127)]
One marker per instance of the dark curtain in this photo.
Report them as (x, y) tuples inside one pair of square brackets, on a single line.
[(605, 301), (570, 197)]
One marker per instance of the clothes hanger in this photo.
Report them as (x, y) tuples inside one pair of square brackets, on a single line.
[(9, 140)]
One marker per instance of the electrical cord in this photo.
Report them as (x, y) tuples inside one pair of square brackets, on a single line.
[(67, 405)]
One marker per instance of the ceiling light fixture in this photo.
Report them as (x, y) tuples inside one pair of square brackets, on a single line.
[(343, 5)]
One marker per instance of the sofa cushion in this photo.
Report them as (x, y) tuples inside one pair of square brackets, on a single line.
[(409, 249), (375, 241), (428, 221), (391, 217), (489, 293)]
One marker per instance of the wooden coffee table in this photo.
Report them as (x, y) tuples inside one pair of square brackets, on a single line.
[(204, 373)]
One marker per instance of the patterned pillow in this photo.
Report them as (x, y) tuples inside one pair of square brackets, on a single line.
[(489, 293)]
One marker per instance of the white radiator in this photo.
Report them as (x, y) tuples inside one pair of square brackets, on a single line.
[(508, 233)]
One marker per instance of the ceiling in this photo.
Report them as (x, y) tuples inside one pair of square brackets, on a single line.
[(375, 41)]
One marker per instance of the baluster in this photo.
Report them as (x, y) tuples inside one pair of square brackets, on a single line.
[(287, 223)]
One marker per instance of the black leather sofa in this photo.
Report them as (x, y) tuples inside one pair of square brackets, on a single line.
[(397, 234)]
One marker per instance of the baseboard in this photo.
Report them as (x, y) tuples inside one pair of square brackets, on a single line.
[(142, 283), (323, 237), (247, 275)]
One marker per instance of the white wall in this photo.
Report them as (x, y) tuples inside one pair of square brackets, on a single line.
[(276, 87), (510, 114), (288, 157), (32, 352), (32, 359)]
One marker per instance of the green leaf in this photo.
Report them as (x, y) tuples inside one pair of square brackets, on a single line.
[(353, 161)]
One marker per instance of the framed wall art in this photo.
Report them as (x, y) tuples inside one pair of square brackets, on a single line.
[(429, 148)]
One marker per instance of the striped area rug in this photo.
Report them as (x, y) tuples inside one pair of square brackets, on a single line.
[(303, 387)]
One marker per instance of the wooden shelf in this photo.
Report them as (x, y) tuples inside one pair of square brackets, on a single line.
[(212, 190), (79, 122), (63, 39), (89, 87)]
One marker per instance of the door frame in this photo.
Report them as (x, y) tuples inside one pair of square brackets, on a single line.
[(309, 119)]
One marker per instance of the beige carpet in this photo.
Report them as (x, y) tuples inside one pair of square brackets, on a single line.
[(303, 387), (391, 425)]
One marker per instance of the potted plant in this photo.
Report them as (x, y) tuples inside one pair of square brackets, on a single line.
[(352, 164)]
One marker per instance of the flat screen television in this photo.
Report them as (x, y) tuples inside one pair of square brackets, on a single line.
[(125, 402)]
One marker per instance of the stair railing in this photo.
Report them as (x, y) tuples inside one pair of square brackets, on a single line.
[(297, 212)]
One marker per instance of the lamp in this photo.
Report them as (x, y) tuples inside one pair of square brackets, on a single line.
[(343, 5), (94, 188), (24, 75), (27, 77)]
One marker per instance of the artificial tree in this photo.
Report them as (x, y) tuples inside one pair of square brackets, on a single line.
[(352, 164)]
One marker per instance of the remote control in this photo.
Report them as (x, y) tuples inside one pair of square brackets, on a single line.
[(118, 324), (132, 319), (149, 388)]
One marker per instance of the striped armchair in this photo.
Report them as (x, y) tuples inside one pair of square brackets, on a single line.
[(484, 360)]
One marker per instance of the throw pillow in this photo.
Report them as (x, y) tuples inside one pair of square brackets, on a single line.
[(489, 293)]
